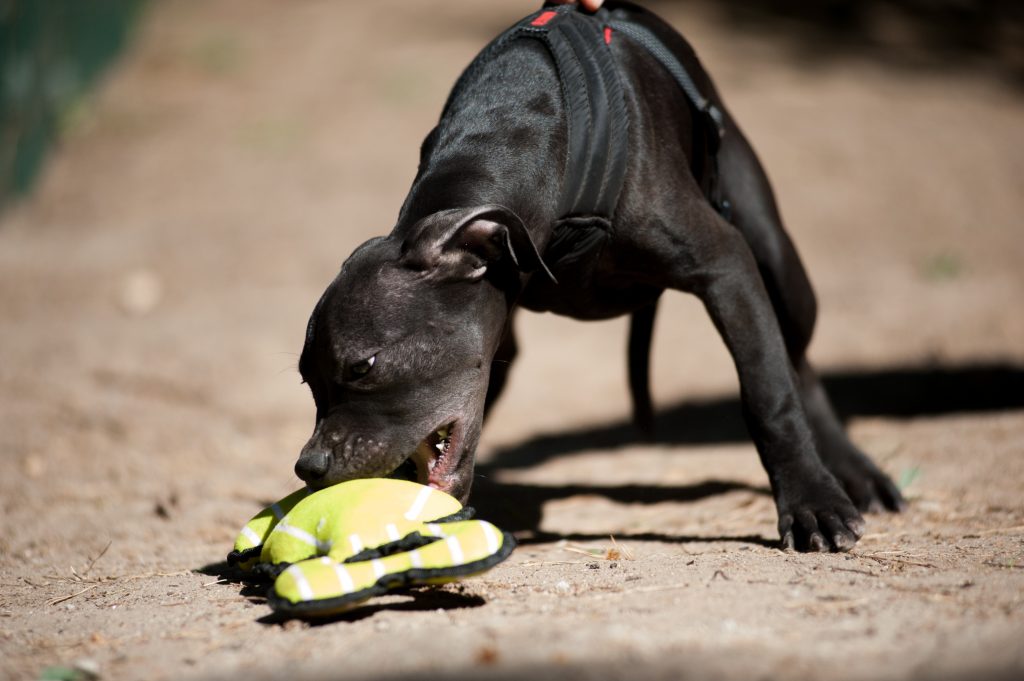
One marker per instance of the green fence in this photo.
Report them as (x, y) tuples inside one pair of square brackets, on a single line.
[(51, 52)]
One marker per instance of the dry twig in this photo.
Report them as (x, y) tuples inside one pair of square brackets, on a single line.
[(98, 556), (613, 552), (885, 559), (869, 573), (61, 599)]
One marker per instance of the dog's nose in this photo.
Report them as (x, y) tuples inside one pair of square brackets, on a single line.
[(313, 464)]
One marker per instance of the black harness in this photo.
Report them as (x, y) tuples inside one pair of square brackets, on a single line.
[(598, 127)]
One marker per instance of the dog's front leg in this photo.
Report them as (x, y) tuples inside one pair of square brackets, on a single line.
[(815, 514)]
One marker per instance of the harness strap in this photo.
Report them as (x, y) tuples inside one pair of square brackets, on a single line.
[(595, 107), (598, 127), (711, 115), (646, 39)]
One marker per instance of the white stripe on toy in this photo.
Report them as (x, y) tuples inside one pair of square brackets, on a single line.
[(415, 559), (455, 549), (355, 542), (251, 535), (305, 590), (378, 567), (297, 532), (491, 536), (344, 578), (392, 531), (419, 503), (304, 537)]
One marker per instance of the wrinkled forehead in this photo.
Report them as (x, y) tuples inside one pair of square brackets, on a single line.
[(373, 300)]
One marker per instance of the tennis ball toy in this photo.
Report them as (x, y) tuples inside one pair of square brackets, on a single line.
[(332, 549)]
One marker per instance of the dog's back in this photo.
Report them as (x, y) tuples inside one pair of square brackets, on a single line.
[(633, 143)]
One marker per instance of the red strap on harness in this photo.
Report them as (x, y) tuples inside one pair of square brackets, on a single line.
[(543, 18)]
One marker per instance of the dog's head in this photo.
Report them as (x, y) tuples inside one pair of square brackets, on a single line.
[(399, 348)]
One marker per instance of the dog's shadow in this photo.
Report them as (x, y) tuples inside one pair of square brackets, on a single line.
[(418, 599), (411, 599), (519, 507), (898, 392)]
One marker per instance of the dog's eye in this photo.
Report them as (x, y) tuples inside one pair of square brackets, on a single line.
[(360, 369)]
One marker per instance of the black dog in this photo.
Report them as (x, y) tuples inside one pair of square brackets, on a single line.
[(412, 341)]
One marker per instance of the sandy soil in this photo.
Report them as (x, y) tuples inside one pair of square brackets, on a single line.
[(154, 292)]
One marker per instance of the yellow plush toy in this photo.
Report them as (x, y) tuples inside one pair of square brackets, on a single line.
[(332, 549)]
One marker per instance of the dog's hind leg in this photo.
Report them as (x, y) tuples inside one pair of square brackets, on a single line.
[(745, 184), (641, 329)]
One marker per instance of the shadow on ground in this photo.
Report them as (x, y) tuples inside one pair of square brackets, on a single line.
[(692, 664), (898, 393), (255, 589), (425, 599), (519, 508)]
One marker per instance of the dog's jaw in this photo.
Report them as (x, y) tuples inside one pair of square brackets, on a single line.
[(444, 459)]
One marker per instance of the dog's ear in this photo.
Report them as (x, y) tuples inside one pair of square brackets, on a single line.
[(464, 243)]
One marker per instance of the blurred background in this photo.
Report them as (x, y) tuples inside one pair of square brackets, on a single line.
[(54, 51), (180, 179)]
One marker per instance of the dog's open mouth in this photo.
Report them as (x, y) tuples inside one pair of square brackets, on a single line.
[(434, 460)]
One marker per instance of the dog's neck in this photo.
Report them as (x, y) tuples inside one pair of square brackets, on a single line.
[(502, 146), (466, 179)]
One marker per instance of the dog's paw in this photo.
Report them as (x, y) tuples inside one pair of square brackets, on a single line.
[(818, 517), (869, 489)]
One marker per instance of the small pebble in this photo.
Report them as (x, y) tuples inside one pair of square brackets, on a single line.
[(140, 292), (34, 466)]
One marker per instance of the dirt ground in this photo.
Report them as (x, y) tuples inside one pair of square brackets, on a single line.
[(153, 296)]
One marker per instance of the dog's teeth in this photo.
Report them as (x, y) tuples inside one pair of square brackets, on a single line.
[(439, 447)]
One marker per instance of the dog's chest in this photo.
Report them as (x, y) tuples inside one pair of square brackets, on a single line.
[(589, 285)]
